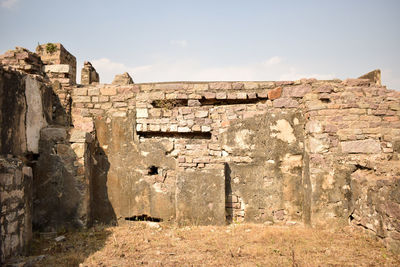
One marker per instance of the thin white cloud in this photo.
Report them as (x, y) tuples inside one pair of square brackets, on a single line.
[(273, 61), (192, 70), (180, 43), (8, 3), (294, 74)]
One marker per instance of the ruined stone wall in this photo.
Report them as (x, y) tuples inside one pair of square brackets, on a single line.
[(287, 152), (183, 131), (16, 207), (60, 69), (23, 60), (353, 132), (242, 151), (89, 74), (56, 54), (25, 107)]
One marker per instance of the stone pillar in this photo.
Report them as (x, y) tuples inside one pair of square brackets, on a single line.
[(89, 74), (56, 54), (60, 67)]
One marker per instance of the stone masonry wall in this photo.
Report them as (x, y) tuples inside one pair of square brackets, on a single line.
[(25, 107), (60, 68), (286, 152), (16, 207), (55, 54), (252, 151), (187, 125)]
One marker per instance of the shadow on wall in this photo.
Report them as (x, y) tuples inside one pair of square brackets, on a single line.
[(100, 206), (61, 111), (228, 194), (60, 187), (56, 196)]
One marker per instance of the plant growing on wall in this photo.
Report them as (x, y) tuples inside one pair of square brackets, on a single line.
[(168, 104), (51, 48)]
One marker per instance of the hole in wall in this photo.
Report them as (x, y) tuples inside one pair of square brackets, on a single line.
[(222, 102), (30, 159), (32, 156), (361, 167), (153, 170), (190, 135), (169, 103), (325, 100), (143, 218)]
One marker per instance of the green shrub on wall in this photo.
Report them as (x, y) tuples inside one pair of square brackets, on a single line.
[(51, 48)]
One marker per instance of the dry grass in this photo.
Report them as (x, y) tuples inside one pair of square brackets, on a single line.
[(236, 245)]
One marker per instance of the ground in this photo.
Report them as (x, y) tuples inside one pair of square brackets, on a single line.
[(149, 243)]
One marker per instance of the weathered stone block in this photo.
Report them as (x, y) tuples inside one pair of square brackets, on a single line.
[(241, 95), (59, 68), (82, 99), (248, 85), (142, 113), (201, 197), (93, 91), (209, 95), (220, 86), (285, 102), (194, 103), (275, 93), (108, 91), (205, 128), (263, 94), (220, 95), (156, 95), (119, 114), (154, 127), (80, 91), (182, 96), (252, 95), (183, 129), (296, 91), (313, 127), (368, 146), (200, 86), (201, 114)]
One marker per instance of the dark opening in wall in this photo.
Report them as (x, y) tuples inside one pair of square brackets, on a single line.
[(191, 135), (143, 218), (169, 103), (361, 167), (153, 170), (220, 102), (30, 159), (228, 194), (325, 100)]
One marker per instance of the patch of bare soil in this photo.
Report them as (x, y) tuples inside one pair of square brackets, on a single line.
[(141, 243)]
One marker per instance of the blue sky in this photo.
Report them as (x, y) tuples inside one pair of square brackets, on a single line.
[(214, 40)]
